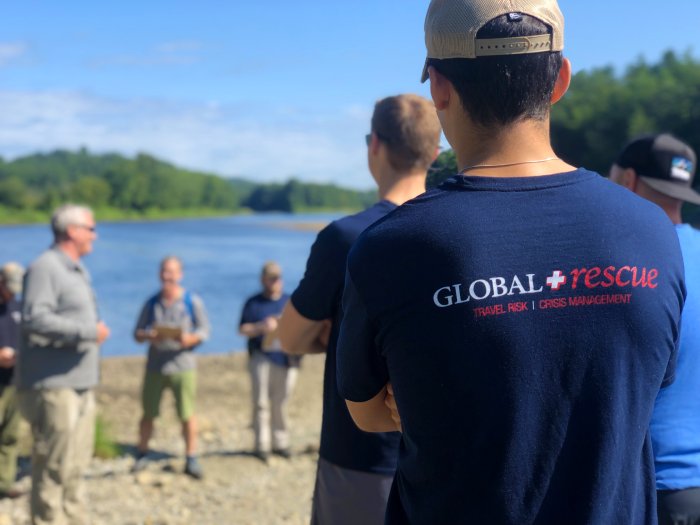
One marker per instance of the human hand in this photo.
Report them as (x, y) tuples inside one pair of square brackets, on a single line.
[(269, 324), (102, 332), (149, 335), (325, 334), (390, 402), (189, 340), (8, 357)]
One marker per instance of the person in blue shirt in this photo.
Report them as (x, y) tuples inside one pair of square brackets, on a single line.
[(273, 374), (518, 322), (661, 169), (355, 468)]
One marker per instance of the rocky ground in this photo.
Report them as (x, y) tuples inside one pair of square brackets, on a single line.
[(237, 488)]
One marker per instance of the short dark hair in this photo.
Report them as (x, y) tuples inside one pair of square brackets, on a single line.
[(410, 128), (499, 90)]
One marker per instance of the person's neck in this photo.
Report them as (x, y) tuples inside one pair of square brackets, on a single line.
[(273, 296), (399, 188), (672, 210), (522, 149), (69, 249), (171, 293)]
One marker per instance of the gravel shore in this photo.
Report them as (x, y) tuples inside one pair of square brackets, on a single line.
[(237, 488)]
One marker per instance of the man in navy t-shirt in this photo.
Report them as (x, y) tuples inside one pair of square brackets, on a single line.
[(660, 168), (273, 373), (526, 313), (355, 468)]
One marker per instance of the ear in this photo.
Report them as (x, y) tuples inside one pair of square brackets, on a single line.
[(440, 89), (374, 144), (629, 179), (563, 81)]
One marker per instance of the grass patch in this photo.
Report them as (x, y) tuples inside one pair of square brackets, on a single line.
[(105, 446)]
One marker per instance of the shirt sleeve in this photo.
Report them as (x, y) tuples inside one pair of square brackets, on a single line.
[(246, 314), (361, 370), (202, 326), (142, 321), (319, 291)]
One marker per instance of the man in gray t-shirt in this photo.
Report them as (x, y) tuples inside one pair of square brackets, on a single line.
[(173, 322), (58, 367)]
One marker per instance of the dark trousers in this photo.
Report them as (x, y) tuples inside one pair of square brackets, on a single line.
[(678, 507)]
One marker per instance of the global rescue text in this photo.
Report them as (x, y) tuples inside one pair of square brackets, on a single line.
[(615, 283)]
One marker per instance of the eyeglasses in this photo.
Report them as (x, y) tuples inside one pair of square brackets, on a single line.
[(87, 227)]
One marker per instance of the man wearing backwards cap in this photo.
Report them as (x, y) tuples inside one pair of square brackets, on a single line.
[(660, 168), (526, 313)]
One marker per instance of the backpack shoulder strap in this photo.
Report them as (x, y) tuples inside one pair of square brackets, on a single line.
[(189, 305)]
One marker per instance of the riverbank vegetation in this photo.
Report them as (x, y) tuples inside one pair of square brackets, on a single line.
[(121, 188), (603, 110)]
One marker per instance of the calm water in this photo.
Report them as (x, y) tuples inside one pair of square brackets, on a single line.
[(222, 260)]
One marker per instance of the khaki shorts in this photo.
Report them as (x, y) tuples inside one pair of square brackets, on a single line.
[(183, 385)]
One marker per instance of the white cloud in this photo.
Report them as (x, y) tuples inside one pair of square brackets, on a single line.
[(10, 51), (224, 139)]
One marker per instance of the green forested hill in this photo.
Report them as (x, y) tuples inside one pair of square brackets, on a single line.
[(120, 187), (603, 110)]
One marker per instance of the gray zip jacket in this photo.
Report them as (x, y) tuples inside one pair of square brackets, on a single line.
[(58, 344)]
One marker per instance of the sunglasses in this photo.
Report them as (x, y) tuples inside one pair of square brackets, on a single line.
[(368, 138), (91, 229)]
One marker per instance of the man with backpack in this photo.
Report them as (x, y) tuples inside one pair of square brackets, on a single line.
[(173, 322)]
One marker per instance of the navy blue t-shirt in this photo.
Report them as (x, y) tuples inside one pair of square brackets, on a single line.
[(10, 319), (318, 297), (526, 325), (257, 308)]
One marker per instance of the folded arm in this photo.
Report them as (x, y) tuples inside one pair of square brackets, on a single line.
[(378, 414), (299, 335)]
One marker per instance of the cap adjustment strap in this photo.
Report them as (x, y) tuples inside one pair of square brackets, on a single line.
[(518, 45)]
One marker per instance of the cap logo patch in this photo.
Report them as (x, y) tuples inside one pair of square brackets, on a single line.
[(681, 169)]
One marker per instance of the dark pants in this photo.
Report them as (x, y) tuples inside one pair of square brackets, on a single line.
[(678, 507)]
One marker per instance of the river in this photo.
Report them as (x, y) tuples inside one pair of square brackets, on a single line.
[(222, 258)]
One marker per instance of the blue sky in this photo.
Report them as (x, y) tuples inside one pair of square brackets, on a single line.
[(264, 90)]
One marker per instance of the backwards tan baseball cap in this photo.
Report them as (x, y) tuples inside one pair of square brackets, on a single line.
[(451, 27)]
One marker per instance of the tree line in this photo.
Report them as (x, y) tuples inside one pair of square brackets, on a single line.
[(148, 186), (603, 110), (599, 114)]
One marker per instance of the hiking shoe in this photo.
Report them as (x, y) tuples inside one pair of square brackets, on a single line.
[(193, 468), (282, 452), (140, 464)]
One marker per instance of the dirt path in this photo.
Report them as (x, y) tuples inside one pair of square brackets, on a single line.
[(237, 488)]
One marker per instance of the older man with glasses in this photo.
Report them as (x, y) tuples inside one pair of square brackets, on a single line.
[(58, 367), (273, 374)]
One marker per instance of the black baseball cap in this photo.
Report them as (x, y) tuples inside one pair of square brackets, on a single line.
[(664, 163)]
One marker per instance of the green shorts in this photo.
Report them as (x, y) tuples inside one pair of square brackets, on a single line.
[(183, 385)]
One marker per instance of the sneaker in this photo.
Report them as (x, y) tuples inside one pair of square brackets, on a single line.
[(141, 463), (282, 452), (193, 468)]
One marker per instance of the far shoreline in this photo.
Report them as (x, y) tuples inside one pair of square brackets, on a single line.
[(30, 218)]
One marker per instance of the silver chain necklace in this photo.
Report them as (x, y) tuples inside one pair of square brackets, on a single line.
[(475, 166)]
